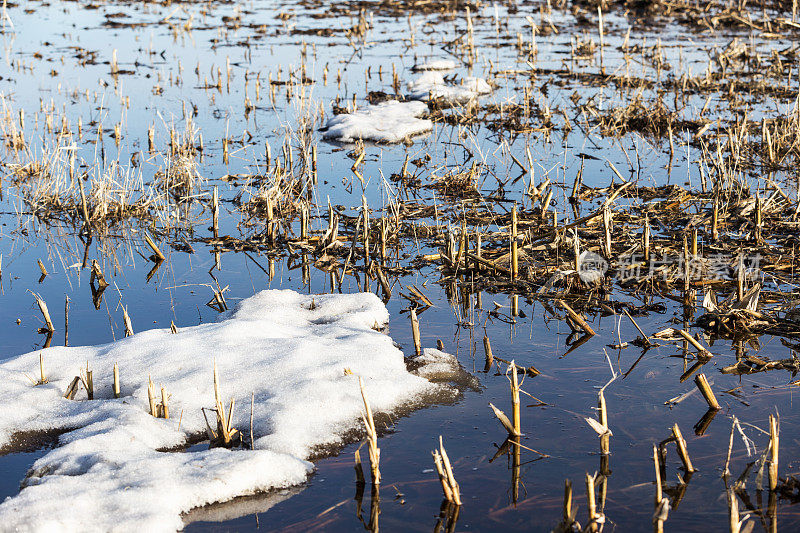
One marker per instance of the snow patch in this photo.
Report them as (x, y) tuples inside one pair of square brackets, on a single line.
[(112, 473), (387, 122), (436, 365), (436, 64), (432, 86), (441, 367)]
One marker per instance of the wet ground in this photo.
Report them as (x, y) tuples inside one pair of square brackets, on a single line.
[(213, 62)]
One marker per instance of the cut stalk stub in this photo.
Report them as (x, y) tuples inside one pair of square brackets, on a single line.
[(579, 320), (116, 381), (42, 377), (683, 453), (151, 397), (372, 437), (487, 348), (568, 512), (127, 320), (415, 333), (512, 426), (72, 388), (450, 487), (702, 353), (515, 405), (49, 328), (225, 435), (774, 434), (157, 256), (705, 389), (660, 515)]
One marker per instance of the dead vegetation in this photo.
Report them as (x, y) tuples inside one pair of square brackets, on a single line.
[(601, 241)]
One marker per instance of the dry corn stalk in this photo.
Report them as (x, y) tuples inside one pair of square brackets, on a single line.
[(515, 406), (116, 381), (164, 407), (683, 453), (708, 394), (158, 409), (568, 511), (661, 502), (450, 487), (702, 352), (774, 435), (88, 382), (127, 319), (157, 255), (226, 433), (372, 438), (72, 388), (514, 427), (415, 333), (579, 320), (596, 518), (45, 314), (487, 348), (514, 244), (42, 378), (151, 397)]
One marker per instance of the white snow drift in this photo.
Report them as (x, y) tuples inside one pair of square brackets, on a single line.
[(387, 122), (289, 349), (432, 86)]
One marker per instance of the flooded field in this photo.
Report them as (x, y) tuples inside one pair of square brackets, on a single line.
[(592, 207)]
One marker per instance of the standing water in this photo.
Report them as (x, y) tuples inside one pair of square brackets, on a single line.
[(594, 201)]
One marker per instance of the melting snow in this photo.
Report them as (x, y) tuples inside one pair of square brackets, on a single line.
[(431, 86), (436, 64), (111, 473), (387, 122)]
